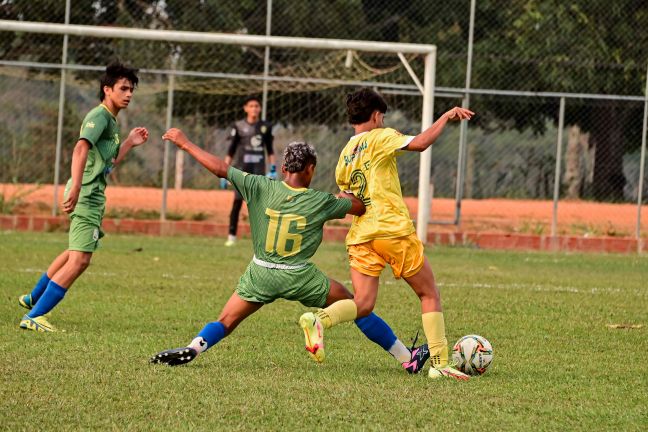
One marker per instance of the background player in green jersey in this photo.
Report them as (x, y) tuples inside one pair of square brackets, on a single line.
[(96, 152), (286, 220)]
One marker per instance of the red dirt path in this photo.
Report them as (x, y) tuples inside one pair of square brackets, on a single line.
[(491, 215)]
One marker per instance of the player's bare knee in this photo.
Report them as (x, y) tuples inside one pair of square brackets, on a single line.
[(364, 307), (81, 262)]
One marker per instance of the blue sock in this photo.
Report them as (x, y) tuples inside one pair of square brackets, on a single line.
[(39, 289), (212, 333), (50, 298), (377, 330)]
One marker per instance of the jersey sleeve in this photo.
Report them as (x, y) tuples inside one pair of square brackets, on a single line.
[(233, 139), (390, 141), (269, 140), (92, 128), (336, 208), (248, 185)]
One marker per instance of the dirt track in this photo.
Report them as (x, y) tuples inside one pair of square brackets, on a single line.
[(494, 215)]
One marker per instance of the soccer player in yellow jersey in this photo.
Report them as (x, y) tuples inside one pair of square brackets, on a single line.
[(384, 234)]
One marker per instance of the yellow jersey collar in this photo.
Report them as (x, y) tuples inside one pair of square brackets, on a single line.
[(106, 108), (294, 189)]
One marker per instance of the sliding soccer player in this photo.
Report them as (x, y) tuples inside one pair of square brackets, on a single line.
[(286, 220)]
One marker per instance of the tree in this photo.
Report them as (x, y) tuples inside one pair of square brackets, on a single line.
[(578, 46)]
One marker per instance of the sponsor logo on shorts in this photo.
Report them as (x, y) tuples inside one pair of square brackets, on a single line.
[(95, 234)]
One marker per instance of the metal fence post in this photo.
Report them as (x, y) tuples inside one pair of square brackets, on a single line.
[(463, 127), (266, 63), (556, 191), (169, 120), (642, 167), (61, 107)]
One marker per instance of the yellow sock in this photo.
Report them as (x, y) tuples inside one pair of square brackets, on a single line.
[(434, 328), (339, 312)]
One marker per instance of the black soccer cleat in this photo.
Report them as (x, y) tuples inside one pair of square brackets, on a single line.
[(420, 356), (175, 356)]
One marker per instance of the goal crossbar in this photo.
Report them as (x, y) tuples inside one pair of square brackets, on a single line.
[(215, 38)]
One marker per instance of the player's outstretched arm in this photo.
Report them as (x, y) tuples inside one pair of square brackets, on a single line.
[(357, 206), (79, 158), (208, 160), (426, 138), (136, 137)]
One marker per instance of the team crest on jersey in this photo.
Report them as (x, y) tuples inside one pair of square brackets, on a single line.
[(264, 129), (255, 141), (233, 132), (90, 125)]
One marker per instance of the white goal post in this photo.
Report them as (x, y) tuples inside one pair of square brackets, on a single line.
[(427, 88)]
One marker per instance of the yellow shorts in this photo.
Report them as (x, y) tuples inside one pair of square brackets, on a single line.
[(403, 254)]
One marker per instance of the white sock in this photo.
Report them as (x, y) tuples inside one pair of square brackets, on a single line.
[(199, 344), (400, 352)]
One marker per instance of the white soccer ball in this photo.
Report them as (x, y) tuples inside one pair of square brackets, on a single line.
[(472, 354)]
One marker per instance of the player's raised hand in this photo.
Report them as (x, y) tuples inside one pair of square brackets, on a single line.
[(177, 137), (138, 136), (457, 114), (71, 201)]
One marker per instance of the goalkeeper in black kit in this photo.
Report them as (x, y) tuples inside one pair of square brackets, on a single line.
[(250, 140)]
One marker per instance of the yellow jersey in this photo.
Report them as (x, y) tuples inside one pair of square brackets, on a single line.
[(367, 168)]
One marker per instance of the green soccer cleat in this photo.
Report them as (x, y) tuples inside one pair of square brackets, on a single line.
[(38, 324), (447, 371), (314, 336), (26, 301)]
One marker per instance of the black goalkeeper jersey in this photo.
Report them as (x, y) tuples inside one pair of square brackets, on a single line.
[(248, 144)]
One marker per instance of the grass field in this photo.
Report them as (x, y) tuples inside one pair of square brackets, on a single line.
[(557, 365)]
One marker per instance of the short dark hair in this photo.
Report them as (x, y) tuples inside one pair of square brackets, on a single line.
[(251, 98), (362, 103), (298, 155), (114, 72)]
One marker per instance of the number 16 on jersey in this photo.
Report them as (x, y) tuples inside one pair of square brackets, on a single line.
[(279, 238)]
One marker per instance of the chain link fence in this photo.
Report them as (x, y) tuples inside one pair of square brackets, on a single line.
[(525, 56)]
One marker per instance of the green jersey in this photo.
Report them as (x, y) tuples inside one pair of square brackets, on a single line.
[(286, 222), (100, 129)]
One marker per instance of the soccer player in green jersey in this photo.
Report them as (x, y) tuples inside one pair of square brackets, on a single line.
[(286, 220), (95, 154)]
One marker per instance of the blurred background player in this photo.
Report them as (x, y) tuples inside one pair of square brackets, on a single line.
[(95, 154), (384, 234), (249, 140), (286, 220)]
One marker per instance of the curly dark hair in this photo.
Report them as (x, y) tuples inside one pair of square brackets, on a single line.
[(114, 72), (298, 155), (362, 103)]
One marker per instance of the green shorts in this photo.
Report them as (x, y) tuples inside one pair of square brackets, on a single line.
[(85, 220), (307, 285), (85, 233)]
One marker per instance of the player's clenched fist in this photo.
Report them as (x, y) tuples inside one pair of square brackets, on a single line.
[(177, 137), (457, 113), (138, 136)]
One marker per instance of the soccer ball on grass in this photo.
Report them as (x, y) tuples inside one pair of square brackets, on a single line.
[(472, 354)]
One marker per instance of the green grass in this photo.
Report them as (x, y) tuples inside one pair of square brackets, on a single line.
[(557, 366)]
